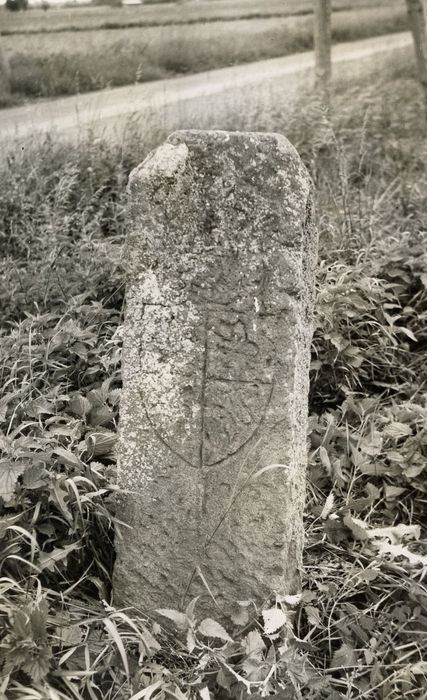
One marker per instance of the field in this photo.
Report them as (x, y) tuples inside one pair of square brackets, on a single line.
[(55, 63), (360, 627), (104, 17)]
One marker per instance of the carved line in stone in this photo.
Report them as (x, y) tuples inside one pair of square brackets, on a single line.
[(205, 379), (254, 382), (219, 461), (160, 437), (255, 430)]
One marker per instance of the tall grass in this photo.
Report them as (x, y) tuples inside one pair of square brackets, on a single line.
[(359, 628)]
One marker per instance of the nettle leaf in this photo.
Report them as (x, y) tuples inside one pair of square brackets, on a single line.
[(21, 627), (114, 396), (212, 628), (101, 443), (150, 641), (49, 560), (274, 619), (343, 657), (191, 640), (189, 610), (357, 527), (39, 622), (329, 504), (392, 492), (97, 397), (80, 406), (38, 666), (101, 415), (35, 477), (5, 400), (255, 669), (240, 613), (407, 332), (67, 458), (225, 679), (396, 533), (179, 618), (9, 474), (324, 458), (313, 615), (41, 406), (371, 445), (253, 643), (397, 430), (291, 600), (70, 636)]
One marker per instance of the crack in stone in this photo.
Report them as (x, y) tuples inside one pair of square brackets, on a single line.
[(203, 392)]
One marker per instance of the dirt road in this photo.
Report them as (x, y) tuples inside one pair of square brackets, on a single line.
[(239, 96)]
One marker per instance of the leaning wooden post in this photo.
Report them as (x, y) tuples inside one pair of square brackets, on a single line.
[(4, 78), (322, 49), (221, 253), (417, 24)]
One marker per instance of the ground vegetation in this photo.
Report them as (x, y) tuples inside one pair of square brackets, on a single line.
[(358, 628)]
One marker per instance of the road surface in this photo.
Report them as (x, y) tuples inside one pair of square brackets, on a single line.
[(228, 97)]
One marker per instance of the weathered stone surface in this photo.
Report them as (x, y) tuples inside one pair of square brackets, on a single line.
[(221, 255)]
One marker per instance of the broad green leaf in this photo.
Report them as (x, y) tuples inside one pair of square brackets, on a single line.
[(313, 615), (9, 474), (240, 614), (101, 443), (329, 504), (396, 533), (67, 458), (324, 458), (357, 527), (397, 430), (407, 332), (191, 640), (392, 492), (274, 619), (212, 628), (79, 405), (291, 600), (398, 550), (48, 560), (70, 636), (179, 618), (150, 641), (372, 444), (344, 656), (253, 644)]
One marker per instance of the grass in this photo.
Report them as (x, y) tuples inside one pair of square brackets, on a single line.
[(51, 64), (359, 628)]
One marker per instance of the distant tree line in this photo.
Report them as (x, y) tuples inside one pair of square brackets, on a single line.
[(16, 5)]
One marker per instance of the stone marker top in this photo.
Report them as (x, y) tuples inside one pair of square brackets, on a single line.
[(171, 186)]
